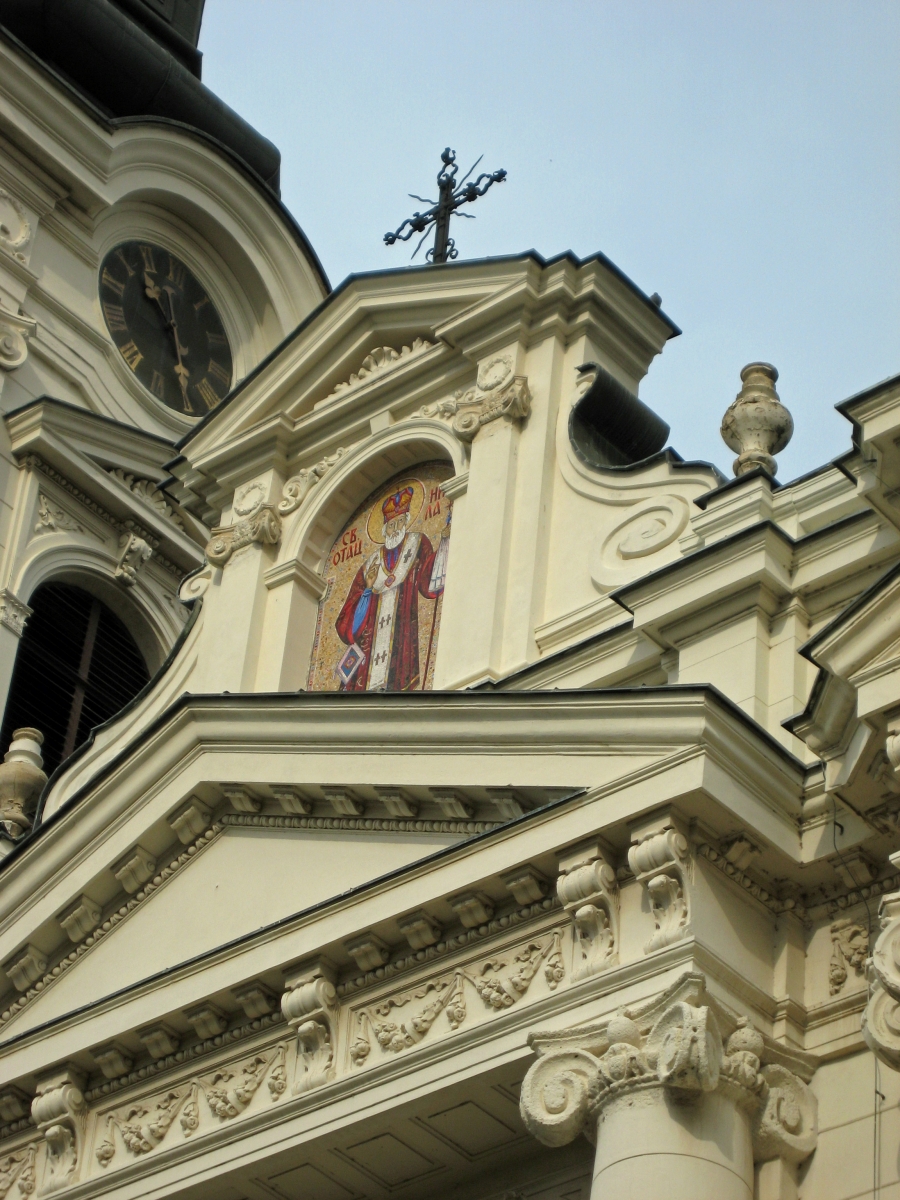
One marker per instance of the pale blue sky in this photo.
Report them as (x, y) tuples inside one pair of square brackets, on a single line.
[(741, 159)]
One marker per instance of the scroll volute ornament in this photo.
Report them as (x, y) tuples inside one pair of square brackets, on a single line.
[(660, 859), (589, 893), (559, 1094), (309, 1006), (881, 1020), (59, 1111)]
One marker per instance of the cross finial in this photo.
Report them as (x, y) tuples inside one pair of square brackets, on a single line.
[(451, 195)]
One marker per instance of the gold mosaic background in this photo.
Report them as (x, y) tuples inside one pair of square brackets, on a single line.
[(349, 552)]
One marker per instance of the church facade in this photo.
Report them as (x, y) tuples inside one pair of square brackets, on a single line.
[(508, 808)]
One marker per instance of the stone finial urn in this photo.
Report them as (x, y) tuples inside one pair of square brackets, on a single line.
[(21, 781), (757, 425)]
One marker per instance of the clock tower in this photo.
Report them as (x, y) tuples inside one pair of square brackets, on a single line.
[(147, 265)]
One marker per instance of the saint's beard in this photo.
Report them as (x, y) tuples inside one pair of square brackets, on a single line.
[(393, 540)]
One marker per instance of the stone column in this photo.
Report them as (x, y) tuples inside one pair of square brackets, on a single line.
[(671, 1109), (881, 1020)]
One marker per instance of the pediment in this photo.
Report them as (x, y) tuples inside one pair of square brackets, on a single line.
[(243, 879), (436, 323)]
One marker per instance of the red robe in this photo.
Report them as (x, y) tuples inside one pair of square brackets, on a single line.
[(403, 665)]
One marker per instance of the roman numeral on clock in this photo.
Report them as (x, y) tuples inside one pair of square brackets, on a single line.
[(206, 390), (115, 317), (218, 372), (176, 272), (158, 386), (109, 280), (131, 354), (124, 261), (147, 256)]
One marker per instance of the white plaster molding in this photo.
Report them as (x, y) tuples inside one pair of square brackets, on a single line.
[(13, 612), (262, 527), (310, 1007), (59, 1111), (497, 393), (661, 860), (589, 893), (14, 334), (300, 485), (133, 554), (378, 362)]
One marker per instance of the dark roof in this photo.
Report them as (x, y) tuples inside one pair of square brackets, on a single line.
[(133, 64)]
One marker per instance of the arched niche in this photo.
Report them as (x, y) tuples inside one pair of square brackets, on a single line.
[(149, 618), (77, 665), (298, 582)]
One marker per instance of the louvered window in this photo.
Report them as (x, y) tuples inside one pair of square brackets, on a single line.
[(76, 666)]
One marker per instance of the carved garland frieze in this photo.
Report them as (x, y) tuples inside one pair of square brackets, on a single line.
[(19, 1169), (400, 1022), (849, 951), (497, 393), (213, 1098)]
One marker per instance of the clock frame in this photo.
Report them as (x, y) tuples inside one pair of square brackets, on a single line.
[(166, 327)]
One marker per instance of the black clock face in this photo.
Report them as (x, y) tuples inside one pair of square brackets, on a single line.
[(165, 327)]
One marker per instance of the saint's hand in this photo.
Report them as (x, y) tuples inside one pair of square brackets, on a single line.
[(371, 573)]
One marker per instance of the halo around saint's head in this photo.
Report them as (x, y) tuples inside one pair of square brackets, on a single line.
[(405, 496)]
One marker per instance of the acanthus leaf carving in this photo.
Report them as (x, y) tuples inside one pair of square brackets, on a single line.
[(849, 949), (148, 491), (499, 982), (497, 393), (13, 612), (377, 362), (300, 485), (53, 519), (133, 553), (589, 893), (59, 1111), (263, 526), (226, 1094), (660, 859), (582, 1070), (310, 1007)]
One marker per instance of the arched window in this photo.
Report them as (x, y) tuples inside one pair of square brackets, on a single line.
[(77, 665)]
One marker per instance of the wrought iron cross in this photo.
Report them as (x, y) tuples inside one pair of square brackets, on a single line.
[(451, 195)]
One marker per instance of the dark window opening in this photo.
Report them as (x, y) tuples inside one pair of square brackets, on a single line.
[(77, 666)]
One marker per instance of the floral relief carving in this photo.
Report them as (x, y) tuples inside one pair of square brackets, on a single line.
[(148, 491), (18, 1169), (300, 485), (497, 393), (383, 359), (849, 950), (223, 1095), (401, 1022), (53, 519)]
